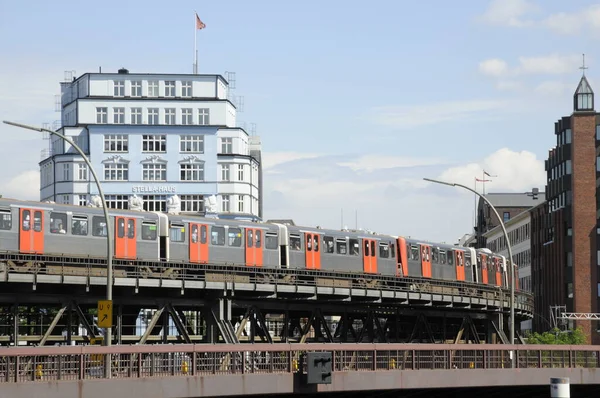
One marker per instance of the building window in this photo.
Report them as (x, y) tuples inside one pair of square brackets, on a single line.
[(82, 200), (192, 203), (186, 89), (102, 115), (169, 89), (240, 172), (154, 172), (225, 172), (154, 202), (116, 172), (117, 202), (118, 115), (241, 203), (152, 115), (66, 172), (506, 216), (116, 143), (136, 88), (191, 143), (226, 145), (152, 89), (66, 199), (83, 172), (191, 172), (154, 143), (225, 203), (203, 116), (170, 116), (136, 115), (186, 116), (119, 88)]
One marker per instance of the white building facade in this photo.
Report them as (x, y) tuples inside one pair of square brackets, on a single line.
[(154, 136), (519, 233)]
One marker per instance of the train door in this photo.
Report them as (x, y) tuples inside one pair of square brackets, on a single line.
[(125, 238), (484, 269), (313, 251), (402, 268), (198, 243), (369, 256), (31, 231), (426, 261), (498, 267), (459, 260), (254, 247)]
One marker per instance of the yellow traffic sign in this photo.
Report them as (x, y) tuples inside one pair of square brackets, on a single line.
[(105, 314)]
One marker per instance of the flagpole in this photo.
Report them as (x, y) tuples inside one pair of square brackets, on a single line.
[(195, 44), (475, 211)]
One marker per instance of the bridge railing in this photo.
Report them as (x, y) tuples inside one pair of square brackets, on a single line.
[(31, 364)]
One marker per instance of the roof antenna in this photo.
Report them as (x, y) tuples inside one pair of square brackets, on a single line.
[(583, 67)]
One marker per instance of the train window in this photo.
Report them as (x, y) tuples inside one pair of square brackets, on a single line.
[(120, 227), (328, 242), (308, 242), (26, 220), (442, 256), (217, 236), (450, 257), (258, 238), (249, 237), (392, 250), (271, 241), (467, 260), (435, 255), (373, 252), (177, 232), (148, 231), (366, 248), (414, 253), (58, 223), (295, 242), (234, 237), (354, 247), (98, 226), (194, 233), (341, 246), (131, 229), (79, 226), (37, 221), (5, 220), (203, 234), (316, 242), (384, 250)]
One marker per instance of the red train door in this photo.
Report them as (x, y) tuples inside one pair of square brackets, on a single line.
[(254, 247), (498, 266), (484, 269), (31, 231), (459, 260), (369, 256), (402, 268), (313, 251), (198, 243), (426, 261), (125, 238)]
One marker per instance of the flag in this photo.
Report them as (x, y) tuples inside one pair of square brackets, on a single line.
[(478, 180), (486, 173), (199, 24)]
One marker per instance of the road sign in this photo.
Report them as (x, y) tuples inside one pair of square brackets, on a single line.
[(105, 314)]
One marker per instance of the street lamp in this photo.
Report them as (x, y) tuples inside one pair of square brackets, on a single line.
[(109, 236), (512, 268)]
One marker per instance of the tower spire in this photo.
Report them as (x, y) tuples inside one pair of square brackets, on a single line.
[(583, 67)]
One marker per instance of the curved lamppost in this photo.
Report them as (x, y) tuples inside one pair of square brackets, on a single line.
[(109, 235), (510, 255)]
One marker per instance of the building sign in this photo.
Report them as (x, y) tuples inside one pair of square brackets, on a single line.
[(153, 189)]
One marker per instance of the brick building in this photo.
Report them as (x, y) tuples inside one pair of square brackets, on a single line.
[(565, 229)]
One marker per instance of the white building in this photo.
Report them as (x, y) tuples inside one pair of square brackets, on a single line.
[(519, 233), (154, 135)]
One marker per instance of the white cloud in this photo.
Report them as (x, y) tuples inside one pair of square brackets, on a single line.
[(552, 64), (25, 185), (509, 13), (573, 23), (493, 67), (554, 88), (408, 117), (515, 171), (272, 159), (371, 163)]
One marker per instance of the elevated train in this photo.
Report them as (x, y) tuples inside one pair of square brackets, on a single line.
[(29, 227)]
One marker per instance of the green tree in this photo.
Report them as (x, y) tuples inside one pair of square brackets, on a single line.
[(558, 337)]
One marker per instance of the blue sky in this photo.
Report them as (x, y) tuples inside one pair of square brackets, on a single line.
[(355, 102)]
